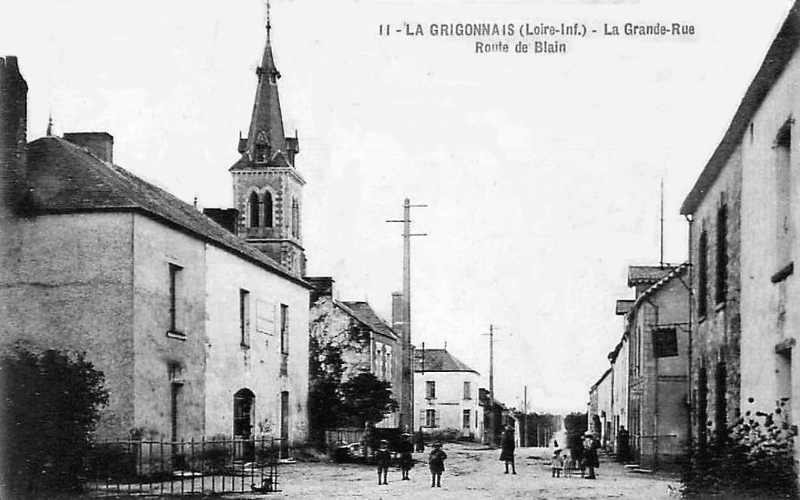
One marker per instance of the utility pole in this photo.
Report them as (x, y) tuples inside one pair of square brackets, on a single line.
[(525, 416), (407, 363), (662, 223), (490, 434)]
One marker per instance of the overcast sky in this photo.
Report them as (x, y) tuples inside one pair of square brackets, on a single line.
[(540, 172)]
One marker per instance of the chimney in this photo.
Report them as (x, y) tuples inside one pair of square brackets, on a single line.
[(397, 311), (323, 287), (100, 144), (225, 217), (13, 133)]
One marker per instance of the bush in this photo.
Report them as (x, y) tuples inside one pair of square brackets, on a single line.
[(755, 457), (217, 453), (52, 404)]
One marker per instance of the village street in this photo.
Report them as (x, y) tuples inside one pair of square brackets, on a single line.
[(472, 471)]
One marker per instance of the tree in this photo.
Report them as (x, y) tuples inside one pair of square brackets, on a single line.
[(575, 425), (366, 399), (52, 404)]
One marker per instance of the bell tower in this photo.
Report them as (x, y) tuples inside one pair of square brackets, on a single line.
[(267, 188)]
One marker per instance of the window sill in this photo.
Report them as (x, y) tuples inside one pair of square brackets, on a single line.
[(783, 273), (176, 335)]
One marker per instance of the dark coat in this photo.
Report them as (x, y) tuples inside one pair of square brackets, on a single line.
[(507, 446), (383, 458), (590, 458), (406, 448), (436, 460)]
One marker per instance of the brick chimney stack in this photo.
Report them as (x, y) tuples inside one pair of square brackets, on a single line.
[(13, 133), (100, 144), (397, 311)]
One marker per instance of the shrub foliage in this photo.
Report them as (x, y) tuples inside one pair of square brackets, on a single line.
[(755, 459), (51, 405)]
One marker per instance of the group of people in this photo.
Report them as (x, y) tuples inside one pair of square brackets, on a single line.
[(436, 458), (586, 460)]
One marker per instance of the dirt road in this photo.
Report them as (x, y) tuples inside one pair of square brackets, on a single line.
[(472, 472)]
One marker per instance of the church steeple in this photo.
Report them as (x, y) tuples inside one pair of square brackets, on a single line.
[(267, 188), (266, 137)]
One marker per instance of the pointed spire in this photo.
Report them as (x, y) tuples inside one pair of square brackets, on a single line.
[(266, 137)]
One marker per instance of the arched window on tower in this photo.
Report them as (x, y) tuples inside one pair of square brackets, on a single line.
[(267, 209), (252, 210)]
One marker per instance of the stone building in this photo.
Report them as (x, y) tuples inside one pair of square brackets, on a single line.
[(601, 408), (446, 393), (197, 331), (743, 239), (645, 389), (367, 344), (658, 353)]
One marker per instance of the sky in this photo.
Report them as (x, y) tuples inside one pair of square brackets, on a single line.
[(540, 172)]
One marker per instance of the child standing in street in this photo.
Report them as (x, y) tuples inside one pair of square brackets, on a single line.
[(556, 462), (436, 463), (406, 447), (383, 457)]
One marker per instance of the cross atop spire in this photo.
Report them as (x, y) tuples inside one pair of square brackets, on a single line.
[(269, 26)]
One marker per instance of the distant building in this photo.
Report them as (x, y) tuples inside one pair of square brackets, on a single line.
[(496, 416), (658, 353), (446, 393), (601, 408), (367, 343)]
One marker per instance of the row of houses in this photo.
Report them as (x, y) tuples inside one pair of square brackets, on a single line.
[(200, 321), (710, 341)]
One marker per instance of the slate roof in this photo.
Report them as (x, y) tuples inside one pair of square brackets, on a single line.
[(775, 61), (645, 275), (623, 306), (438, 360), (673, 273), (364, 313), (65, 178)]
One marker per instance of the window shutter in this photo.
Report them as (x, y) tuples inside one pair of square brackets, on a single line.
[(422, 422), (437, 421)]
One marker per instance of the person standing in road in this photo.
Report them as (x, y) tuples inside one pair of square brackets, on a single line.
[(406, 447), (383, 458), (507, 448), (420, 441), (590, 458), (436, 463)]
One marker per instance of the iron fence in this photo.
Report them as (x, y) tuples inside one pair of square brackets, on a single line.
[(146, 467)]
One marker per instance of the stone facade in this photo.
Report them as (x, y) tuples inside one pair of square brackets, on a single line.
[(716, 319), (367, 343), (743, 243)]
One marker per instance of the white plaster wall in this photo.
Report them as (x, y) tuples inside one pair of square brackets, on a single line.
[(156, 246), (70, 288), (231, 367), (759, 253), (449, 401)]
